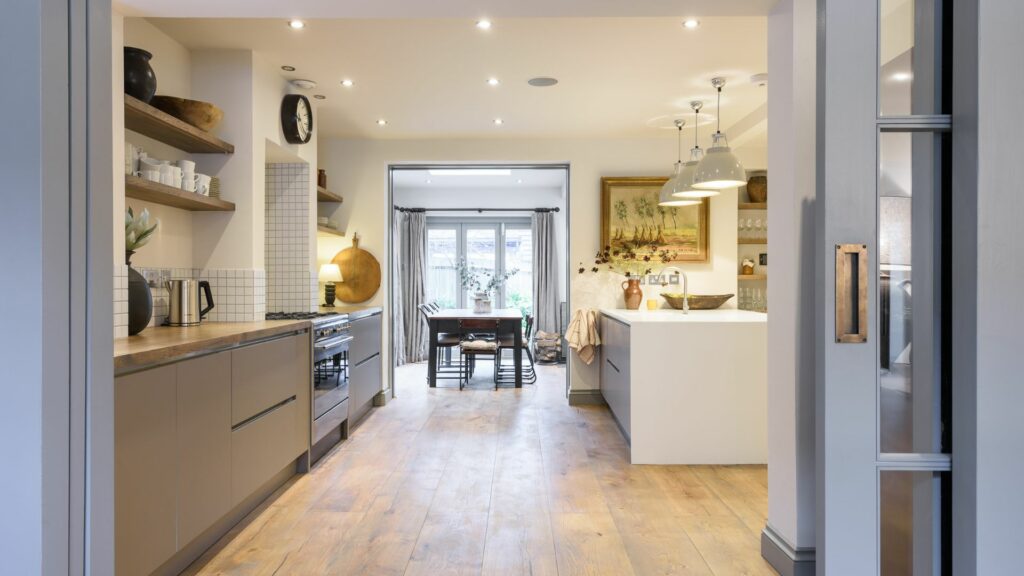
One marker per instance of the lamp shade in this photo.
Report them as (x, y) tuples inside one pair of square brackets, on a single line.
[(330, 273), (720, 168), (687, 176), (671, 189)]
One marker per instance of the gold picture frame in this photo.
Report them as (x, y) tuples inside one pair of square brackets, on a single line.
[(631, 218)]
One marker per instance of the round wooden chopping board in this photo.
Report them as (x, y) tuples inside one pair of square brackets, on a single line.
[(360, 273)]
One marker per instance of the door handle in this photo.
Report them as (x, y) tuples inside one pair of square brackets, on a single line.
[(851, 293)]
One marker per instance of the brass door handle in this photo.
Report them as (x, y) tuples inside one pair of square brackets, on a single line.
[(851, 293)]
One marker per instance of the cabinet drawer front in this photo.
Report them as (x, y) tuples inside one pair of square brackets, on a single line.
[(365, 381), (263, 375), (261, 448), (366, 334)]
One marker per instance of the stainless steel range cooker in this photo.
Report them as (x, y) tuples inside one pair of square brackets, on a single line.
[(331, 340)]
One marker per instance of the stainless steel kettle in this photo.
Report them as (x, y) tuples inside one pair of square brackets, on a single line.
[(183, 302)]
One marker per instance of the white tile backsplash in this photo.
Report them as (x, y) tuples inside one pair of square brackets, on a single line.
[(238, 294), (291, 283), (120, 300)]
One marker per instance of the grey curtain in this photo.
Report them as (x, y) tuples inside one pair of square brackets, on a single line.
[(545, 272), (410, 279)]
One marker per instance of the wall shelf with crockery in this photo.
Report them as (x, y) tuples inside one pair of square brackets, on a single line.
[(753, 205), (142, 189), (159, 125), (325, 195), (321, 229), (751, 277)]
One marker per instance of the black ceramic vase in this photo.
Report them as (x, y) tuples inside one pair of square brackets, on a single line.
[(139, 78), (140, 300)]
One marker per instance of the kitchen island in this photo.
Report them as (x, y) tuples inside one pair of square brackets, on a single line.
[(687, 388)]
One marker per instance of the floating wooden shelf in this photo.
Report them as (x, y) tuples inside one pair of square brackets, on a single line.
[(753, 205), (142, 189), (751, 277), (330, 231), (752, 241), (159, 125), (325, 195)]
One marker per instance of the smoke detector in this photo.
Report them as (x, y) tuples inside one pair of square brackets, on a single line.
[(303, 84)]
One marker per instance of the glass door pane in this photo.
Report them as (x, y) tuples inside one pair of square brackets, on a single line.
[(481, 253), (442, 278), (910, 67), (911, 522), (519, 256)]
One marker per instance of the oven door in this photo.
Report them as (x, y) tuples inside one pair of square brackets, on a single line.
[(330, 374)]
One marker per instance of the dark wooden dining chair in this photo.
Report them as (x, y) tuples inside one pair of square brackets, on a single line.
[(506, 374), (480, 339), (446, 342)]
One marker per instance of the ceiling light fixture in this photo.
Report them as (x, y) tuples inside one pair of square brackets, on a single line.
[(347, 83), (902, 76), (691, 24), (483, 24), (720, 168), (519, 181), (493, 81), (470, 172), (296, 24), (673, 186), (542, 81), (303, 84), (498, 121), (319, 96), (288, 68), (382, 122), (690, 168)]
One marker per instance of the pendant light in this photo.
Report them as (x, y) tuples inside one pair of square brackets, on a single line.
[(675, 183), (696, 155), (720, 168)]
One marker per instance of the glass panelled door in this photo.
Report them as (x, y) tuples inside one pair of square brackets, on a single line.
[(884, 393)]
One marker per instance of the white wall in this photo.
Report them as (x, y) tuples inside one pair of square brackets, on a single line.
[(358, 170), (791, 167)]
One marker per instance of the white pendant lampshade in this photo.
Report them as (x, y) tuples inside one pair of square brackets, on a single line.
[(690, 168), (720, 168), (676, 184)]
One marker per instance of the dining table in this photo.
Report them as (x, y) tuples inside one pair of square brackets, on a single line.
[(509, 321)]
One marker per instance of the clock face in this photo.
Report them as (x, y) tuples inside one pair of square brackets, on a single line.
[(296, 119)]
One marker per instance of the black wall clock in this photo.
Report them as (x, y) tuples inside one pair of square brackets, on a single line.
[(296, 119)]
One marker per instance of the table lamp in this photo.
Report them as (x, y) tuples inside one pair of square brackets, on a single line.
[(329, 274)]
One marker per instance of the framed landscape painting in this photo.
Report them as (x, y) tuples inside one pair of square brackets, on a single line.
[(632, 219)]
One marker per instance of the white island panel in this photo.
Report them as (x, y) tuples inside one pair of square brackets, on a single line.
[(697, 386)]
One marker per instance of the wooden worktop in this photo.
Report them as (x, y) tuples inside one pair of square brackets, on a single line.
[(163, 344)]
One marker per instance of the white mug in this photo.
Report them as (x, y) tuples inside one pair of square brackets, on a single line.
[(187, 165), (203, 184), (188, 182), (151, 175), (147, 163)]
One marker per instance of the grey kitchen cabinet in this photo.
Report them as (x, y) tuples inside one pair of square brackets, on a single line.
[(204, 443), (365, 383), (615, 370), (366, 336), (261, 448), (145, 469), (266, 374), (365, 379)]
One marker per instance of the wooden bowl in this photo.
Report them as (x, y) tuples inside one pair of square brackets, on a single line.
[(709, 302), (202, 115)]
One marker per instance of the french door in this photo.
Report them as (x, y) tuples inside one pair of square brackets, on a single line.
[(883, 399), (489, 247)]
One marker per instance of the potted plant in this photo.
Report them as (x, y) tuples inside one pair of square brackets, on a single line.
[(633, 264), (473, 280), (137, 233)]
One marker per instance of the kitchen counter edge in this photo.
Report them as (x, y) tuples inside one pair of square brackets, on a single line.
[(664, 316)]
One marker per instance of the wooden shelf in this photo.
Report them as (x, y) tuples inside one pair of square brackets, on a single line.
[(159, 125), (752, 241), (142, 189), (751, 277), (325, 195), (753, 205), (330, 231)]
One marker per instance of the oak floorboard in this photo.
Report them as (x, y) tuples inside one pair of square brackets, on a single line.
[(509, 482)]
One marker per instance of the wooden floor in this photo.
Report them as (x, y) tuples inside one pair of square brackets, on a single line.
[(498, 482)]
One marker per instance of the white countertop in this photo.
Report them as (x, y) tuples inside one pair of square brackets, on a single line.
[(667, 316)]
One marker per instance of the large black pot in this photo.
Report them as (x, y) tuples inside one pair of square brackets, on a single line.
[(139, 78), (140, 300)]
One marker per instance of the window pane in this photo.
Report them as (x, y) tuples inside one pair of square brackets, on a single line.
[(519, 256), (910, 296), (910, 73), (481, 247), (912, 527), (442, 278)]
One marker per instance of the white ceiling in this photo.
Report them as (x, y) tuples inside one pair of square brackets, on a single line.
[(517, 178), (619, 77), (440, 8)]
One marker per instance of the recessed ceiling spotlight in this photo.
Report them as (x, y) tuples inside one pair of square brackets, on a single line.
[(382, 122), (303, 84), (498, 121), (347, 83), (760, 79), (493, 81), (296, 24), (319, 96), (288, 68), (691, 24), (429, 180), (902, 76), (483, 24), (519, 181), (542, 81)]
